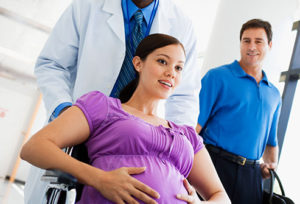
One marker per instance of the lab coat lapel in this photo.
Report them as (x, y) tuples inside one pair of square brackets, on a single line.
[(163, 19), (116, 21)]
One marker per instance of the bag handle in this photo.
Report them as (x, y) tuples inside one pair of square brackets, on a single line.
[(273, 177), (279, 182)]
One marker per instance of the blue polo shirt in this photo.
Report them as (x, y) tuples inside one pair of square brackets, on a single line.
[(236, 113)]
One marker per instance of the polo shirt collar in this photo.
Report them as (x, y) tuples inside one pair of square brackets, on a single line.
[(265, 79), (238, 71), (132, 8)]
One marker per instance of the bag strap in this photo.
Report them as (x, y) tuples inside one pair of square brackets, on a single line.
[(273, 177), (279, 182), (271, 185)]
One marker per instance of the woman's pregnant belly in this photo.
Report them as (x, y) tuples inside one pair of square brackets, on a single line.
[(160, 175)]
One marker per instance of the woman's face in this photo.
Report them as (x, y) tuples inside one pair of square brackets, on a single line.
[(160, 72)]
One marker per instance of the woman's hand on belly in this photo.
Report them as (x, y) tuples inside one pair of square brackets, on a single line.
[(191, 197), (119, 186)]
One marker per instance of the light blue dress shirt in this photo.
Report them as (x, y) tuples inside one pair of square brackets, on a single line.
[(132, 8)]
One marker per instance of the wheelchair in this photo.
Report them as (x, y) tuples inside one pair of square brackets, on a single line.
[(63, 187)]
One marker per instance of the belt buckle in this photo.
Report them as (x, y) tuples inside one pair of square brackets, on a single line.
[(242, 162)]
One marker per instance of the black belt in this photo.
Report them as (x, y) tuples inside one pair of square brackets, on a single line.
[(231, 157)]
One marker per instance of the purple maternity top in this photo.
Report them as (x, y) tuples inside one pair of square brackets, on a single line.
[(119, 139)]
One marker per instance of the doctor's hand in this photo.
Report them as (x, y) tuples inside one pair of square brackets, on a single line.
[(120, 187), (192, 197)]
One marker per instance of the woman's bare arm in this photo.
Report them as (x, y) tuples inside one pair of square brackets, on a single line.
[(71, 128), (204, 178)]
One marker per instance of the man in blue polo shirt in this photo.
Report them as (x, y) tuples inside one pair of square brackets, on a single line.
[(239, 110)]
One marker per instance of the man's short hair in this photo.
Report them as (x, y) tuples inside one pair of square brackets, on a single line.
[(258, 23)]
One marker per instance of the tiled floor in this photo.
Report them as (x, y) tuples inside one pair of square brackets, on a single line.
[(11, 193)]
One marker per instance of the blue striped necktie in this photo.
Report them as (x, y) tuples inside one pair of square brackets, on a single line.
[(127, 73)]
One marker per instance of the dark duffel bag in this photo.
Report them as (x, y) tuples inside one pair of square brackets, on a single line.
[(274, 198)]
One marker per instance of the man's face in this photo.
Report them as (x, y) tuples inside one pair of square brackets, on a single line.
[(142, 3), (254, 47)]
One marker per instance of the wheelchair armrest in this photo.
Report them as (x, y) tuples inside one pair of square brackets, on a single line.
[(63, 181), (59, 177)]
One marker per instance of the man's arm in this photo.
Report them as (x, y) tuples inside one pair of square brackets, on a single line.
[(56, 66), (59, 110), (270, 158), (198, 128)]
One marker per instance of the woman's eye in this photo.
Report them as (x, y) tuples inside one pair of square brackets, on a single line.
[(178, 68), (162, 61)]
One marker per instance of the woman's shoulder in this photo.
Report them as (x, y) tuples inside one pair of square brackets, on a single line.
[(97, 107), (98, 100), (94, 101)]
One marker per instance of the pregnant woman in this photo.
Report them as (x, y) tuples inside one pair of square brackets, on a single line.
[(135, 156)]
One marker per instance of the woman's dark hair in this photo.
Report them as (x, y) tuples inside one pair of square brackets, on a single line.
[(258, 23), (146, 47)]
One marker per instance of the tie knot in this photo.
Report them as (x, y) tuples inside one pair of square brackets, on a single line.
[(138, 16)]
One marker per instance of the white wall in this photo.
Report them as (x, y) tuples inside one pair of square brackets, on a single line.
[(20, 44), (17, 102), (223, 46)]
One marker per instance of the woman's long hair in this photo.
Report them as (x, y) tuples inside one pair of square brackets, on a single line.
[(146, 47)]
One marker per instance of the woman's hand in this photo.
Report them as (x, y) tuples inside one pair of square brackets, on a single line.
[(120, 187), (192, 197)]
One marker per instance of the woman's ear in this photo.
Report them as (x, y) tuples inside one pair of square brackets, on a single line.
[(137, 63)]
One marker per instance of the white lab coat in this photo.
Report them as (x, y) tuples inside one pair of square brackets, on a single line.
[(85, 52)]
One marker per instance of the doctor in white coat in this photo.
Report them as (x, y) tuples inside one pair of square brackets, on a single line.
[(85, 52)]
